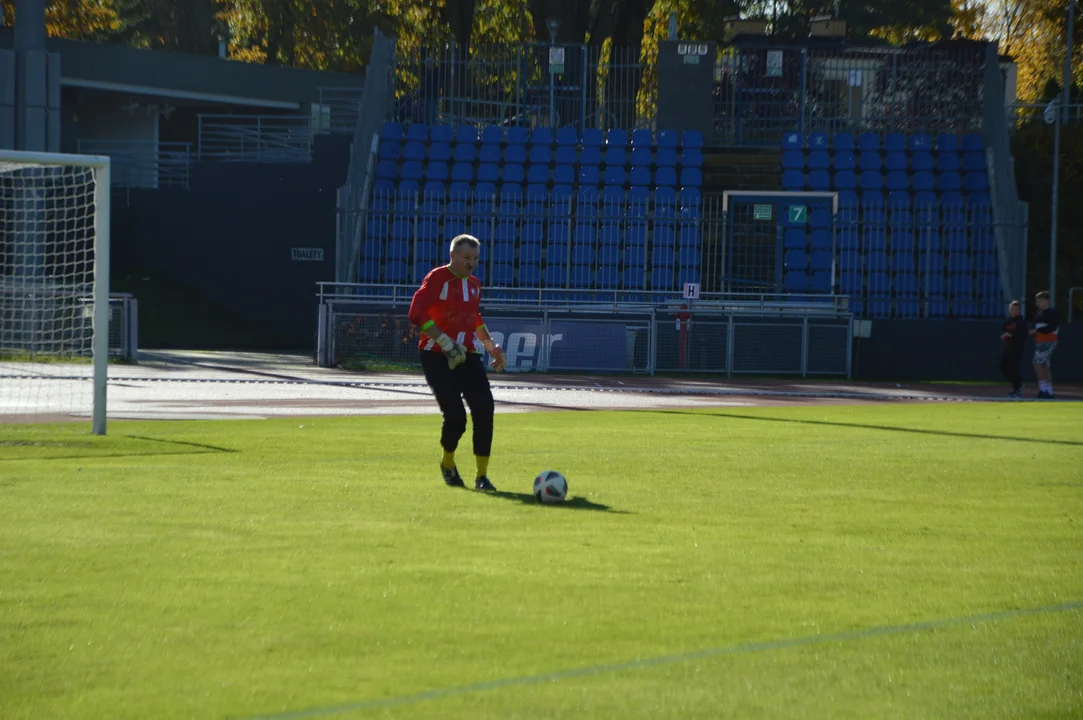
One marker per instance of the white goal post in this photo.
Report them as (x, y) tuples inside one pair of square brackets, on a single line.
[(54, 282)]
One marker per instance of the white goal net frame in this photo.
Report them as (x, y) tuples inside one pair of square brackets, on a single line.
[(37, 219)]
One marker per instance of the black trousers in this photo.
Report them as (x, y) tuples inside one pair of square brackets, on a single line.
[(1010, 363), (466, 382)]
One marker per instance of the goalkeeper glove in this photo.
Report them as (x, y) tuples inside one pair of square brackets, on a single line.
[(499, 362), (456, 353)]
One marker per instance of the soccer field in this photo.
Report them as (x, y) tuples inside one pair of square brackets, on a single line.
[(895, 560)]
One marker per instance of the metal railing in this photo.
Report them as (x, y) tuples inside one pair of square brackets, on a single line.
[(760, 92), (255, 138), (727, 336), (144, 163), (1023, 114), (337, 110), (353, 197)]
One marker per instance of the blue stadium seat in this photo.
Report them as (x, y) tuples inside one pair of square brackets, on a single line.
[(667, 138), (693, 158), (609, 234), (481, 228), (454, 226), (973, 162), (567, 136), (818, 141), (413, 151), (639, 201), (972, 142), (410, 170), (796, 260), (947, 142), (963, 307), (511, 197), (635, 255), (560, 202), (586, 204), (850, 282), (876, 261), (921, 161), (666, 158), (542, 136), (492, 135), (820, 281), (906, 285), (665, 177), (870, 160), (691, 200), (562, 174), (879, 308), (895, 161), (428, 230), (921, 142), (843, 160), (556, 276), (387, 169), (847, 238), (820, 216), (390, 150), (613, 201), (487, 172), (391, 131), (615, 175), (515, 154), (463, 153), (895, 142), (959, 284), (589, 175), (395, 272), (442, 134), (985, 263), (535, 174), (593, 137), (615, 156), (608, 277), (501, 275), (640, 176), (662, 277), (635, 235), (872, 208), (792, 140), (936, 307), (528, 274), (843, 141), (540, 155), (819, 180), (902, 238), (505, 235), (590, 156), (634, 277), (663, 235), (665, 202), (641, 156), (418, 132), (868, 141), (795, 281), (688, 256), (924, 180), (642, 138), (502, 250), (582, 276), (616, 138), (692, 139), (976, 181), (898, 180), (983, 241), (565, 155), (794, 239), (537, 200), (821, 260), (947, 162), (792, 180), (845, 180), (688, 235), (821, 239), (879, 284)]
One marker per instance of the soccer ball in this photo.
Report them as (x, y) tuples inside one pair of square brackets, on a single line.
[(550, 487)]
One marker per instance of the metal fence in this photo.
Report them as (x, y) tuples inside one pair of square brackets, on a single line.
[(1023, 114), (144, 163), (255, 138), (337, 109), (363, 325), (761, 92), (526, 84), (353, 197), (891, 258)]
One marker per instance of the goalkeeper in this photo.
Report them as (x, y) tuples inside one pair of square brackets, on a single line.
[(445, 307)]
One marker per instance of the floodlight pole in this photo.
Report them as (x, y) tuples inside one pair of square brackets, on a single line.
[(1061, 117)]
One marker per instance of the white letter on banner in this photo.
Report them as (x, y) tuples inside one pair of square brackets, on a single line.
[(521, 345)]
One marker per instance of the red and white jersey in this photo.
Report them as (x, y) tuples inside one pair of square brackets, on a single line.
[(451, 302)]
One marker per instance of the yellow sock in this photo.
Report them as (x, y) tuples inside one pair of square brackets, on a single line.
[(483, 465), (448, 460)]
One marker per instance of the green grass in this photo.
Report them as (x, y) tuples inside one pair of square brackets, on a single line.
[(917, 561)]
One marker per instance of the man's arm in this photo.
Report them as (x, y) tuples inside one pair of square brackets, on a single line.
[(419, 315), (482, 332)]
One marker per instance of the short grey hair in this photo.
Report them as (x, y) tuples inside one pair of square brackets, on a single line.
[(468, 240)]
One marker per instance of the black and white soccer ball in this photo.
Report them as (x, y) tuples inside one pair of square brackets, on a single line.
[(550, 487)]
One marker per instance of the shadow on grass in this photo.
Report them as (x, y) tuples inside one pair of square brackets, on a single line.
[(572, 503), (863, 426)]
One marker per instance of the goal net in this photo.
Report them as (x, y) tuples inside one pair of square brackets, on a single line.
[(54, 287)]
